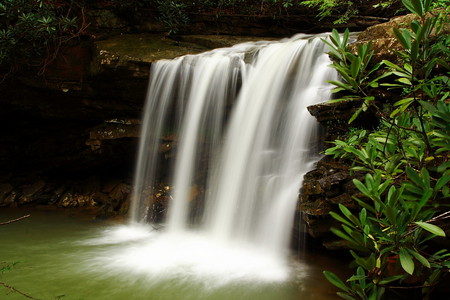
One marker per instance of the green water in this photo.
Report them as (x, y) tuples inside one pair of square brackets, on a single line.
[(52, 264)]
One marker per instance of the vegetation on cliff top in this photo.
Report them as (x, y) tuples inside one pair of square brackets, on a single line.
[(32, 32)]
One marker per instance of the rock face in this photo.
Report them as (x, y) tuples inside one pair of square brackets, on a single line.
[(70, 135), (382, 36), (324, 188)]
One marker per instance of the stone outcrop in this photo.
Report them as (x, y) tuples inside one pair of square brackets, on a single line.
[(324, 188), (96, 196), (70, 138), (382, 36)]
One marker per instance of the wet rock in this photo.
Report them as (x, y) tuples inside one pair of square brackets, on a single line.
[(33, 192), (334, 116), (113, 130), (219, 41), (56, 194), (134, 53), (5, 192), (323, 189), (119, 195), (71, 199)]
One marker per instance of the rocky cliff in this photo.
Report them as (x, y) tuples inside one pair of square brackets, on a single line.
[(70, 135)]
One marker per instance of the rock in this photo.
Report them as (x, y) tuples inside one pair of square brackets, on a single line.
[(323, 189), (112, 130), (134, 53), (33, 192), (219, 41), (333, 111), (119, 195), (70, 199), (5, 192), (334, 116), (383, 40)]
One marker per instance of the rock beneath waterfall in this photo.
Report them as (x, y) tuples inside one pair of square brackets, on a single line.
[(324, 188), (112, 130)]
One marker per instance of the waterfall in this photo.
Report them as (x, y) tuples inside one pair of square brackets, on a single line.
[(244, 138)]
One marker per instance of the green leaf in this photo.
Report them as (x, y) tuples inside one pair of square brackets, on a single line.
[(414, 53), (442, 181), (420, 258), (341, 85), (425, 177), (355, 115), (390, 279), (360, 186), (405, 81), (436, 230), (404, 37), (391, 215), (363, 216), (414, 176), (427, 5), (423, 200), (349, 215), (406, 261), (415, 6), (340, 219), (405, 101), (341, 234), (355, 66), (335, 280), (428, 106), (357, 277)]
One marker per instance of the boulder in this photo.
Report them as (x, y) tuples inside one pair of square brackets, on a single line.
[(382, 36), (323, 189)]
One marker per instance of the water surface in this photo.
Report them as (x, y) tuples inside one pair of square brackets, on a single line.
[(60, 256)]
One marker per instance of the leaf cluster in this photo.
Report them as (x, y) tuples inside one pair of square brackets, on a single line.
[(31, 30), (406, 159)]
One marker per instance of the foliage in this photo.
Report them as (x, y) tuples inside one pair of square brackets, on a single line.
[(406, 160), (32, 29), (345, 9), (173, 14)]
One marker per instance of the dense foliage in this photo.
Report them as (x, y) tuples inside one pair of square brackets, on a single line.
[(406, 159), (30, 30)]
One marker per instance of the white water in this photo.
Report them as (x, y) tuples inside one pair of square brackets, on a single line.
[(256, 154)]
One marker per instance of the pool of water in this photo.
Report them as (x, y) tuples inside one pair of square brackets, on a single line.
[(62, 256)]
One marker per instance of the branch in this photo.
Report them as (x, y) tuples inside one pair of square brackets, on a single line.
[(15, 220), (13, 289)]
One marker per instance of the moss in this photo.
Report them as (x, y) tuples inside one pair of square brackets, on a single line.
[(145, 48)]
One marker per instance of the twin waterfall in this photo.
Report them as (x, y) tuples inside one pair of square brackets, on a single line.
[(244, 139)]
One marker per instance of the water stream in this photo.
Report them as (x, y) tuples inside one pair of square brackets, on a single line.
[(245, 137)]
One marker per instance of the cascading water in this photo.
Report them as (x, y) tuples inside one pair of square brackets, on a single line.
[(239, 113)]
